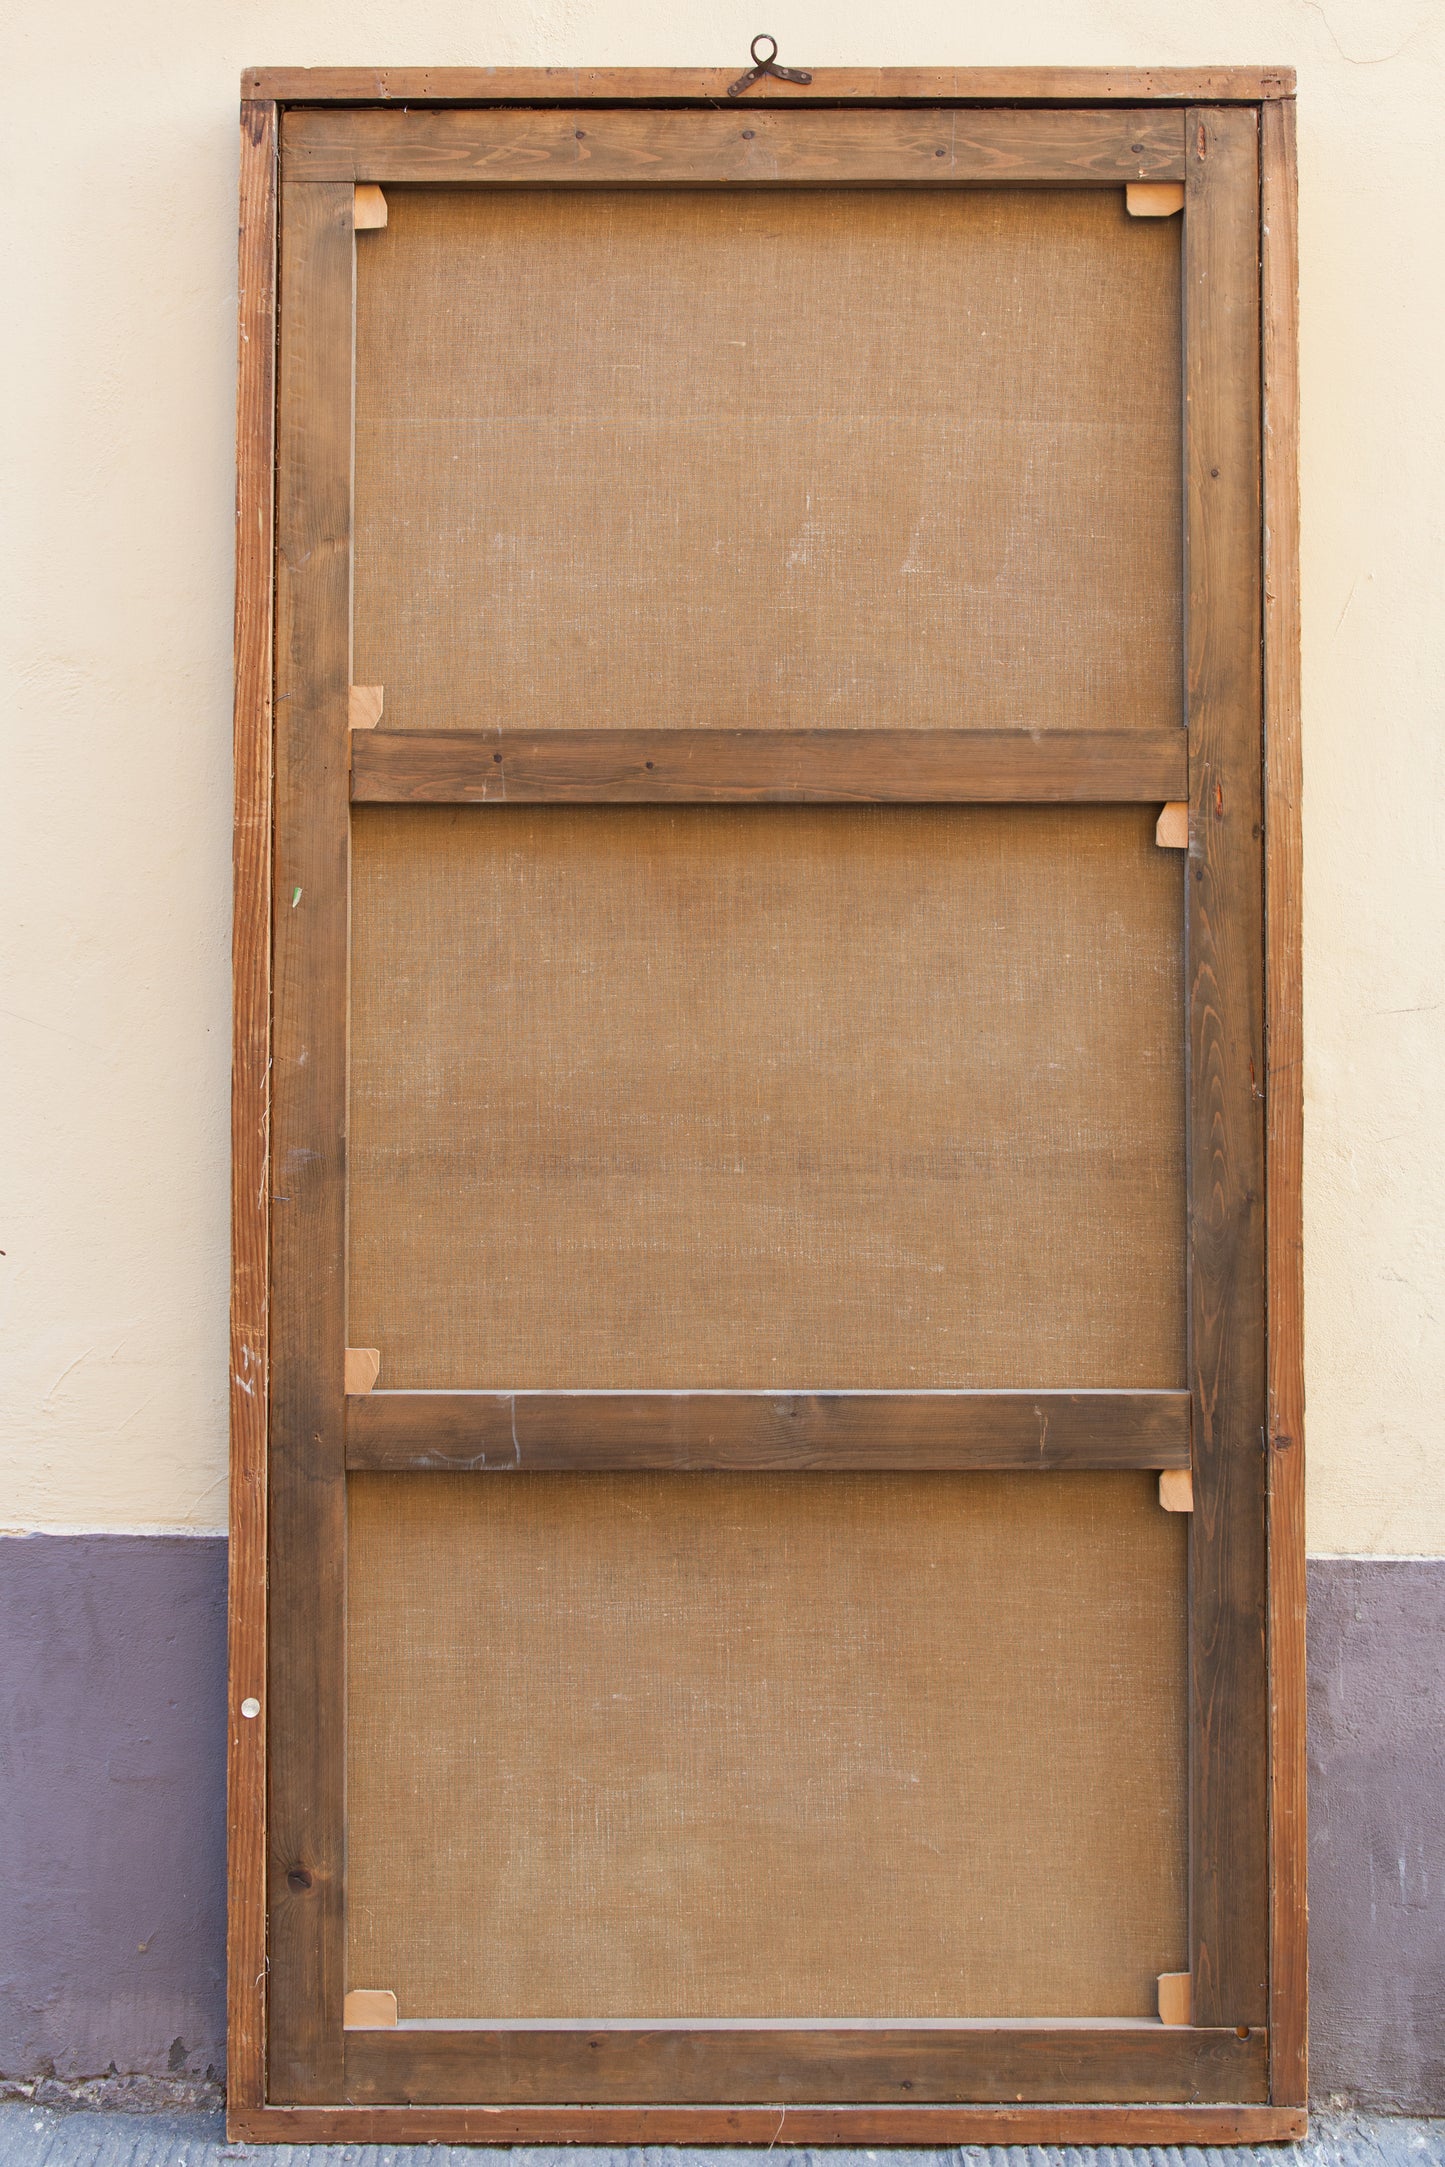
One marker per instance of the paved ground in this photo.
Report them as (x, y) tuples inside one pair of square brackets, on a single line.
[(50, 2137)]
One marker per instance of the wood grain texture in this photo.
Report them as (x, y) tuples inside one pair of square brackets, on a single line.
[(768, 2126), (785, 2065), (815, 767), (705, 86), (250, 1104), (1225, 938), (308, 1284), (1289, 1967), (416, 1432), (731, 148)]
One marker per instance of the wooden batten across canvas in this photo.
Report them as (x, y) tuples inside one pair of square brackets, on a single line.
[(1025, 1432), (307, 1552), (767, 1110), (735, 149), (682, 766), (1229, 1908)]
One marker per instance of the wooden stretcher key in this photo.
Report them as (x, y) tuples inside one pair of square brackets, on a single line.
[(1171, 830), (1176, 1489), (1154, 199), (369, 2009), (368, 210), (363, 1367)]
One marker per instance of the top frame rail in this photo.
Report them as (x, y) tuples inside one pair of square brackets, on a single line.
[(709, 86), (736, 148)]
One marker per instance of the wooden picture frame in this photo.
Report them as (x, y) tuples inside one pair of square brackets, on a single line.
[(1236, 2071)]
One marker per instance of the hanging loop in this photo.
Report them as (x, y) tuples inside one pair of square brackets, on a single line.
[(765, 64)]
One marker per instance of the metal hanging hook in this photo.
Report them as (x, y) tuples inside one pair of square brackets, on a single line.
[(764, 64)]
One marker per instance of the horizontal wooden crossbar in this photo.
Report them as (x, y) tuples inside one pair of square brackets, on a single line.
[(852, 86), (737, 147), (419, 1432), (1184, 2122), (466, 767), (804, 2062)]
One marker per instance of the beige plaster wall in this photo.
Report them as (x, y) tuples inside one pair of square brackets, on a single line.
[(119, 145)]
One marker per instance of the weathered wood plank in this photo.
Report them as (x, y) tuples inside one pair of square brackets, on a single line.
[(1284, 1113), (484, 1431), (768, 2126), (733, 147), (308, 1522), (705, 86), (250, 1106), (463, 767), (1229, 1906), (837, 2062)]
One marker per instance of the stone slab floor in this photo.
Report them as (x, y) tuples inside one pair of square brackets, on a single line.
[(35, 2136)]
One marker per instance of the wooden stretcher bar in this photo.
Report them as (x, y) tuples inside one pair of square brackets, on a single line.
[(1041, 767), (798, 2062), (735, 147), (453, 1432)]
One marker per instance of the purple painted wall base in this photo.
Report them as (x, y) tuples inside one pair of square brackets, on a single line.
[(112, 1816), (112, 1806), (1377, 1831)]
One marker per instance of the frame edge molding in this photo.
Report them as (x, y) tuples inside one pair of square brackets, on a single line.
[(1284, 1113), (705, 86), (264, 93), (250, 1105)]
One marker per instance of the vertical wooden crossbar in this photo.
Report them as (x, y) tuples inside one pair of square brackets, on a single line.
[(306, 1897), (1289, 1969), (1225, 1128), (250, 1103)]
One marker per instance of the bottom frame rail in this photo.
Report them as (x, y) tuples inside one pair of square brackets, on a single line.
[(913, 2064), (768, 2126)]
